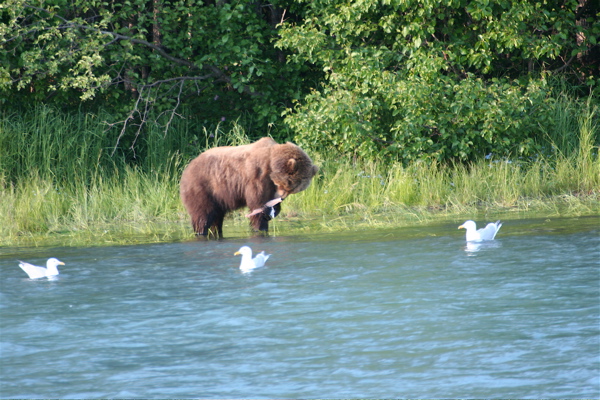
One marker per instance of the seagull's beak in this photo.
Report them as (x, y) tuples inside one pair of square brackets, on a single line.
[(61, 263), (237, 253), (462, 227)]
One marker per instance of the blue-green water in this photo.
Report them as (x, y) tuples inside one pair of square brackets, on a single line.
[(408, 312)]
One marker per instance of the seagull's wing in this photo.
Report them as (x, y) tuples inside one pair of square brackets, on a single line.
[(260, 259), (254, 212), (489, 232), (268, 204), (32, 271), (273, 202)]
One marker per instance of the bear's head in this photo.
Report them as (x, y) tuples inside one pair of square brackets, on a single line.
[(291, 169)]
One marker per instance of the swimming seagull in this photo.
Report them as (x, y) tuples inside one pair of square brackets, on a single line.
[(477, 235), (36, 272), (248, 263)]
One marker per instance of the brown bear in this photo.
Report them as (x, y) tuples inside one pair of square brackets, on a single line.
[(226, 178)]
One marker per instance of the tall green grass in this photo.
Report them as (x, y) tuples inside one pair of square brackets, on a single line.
[(130, 203), (61, 181), (46, 142), (564, 181)]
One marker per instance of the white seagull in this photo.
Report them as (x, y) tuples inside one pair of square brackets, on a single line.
[(36, 272), (248, 263), (477, 235)]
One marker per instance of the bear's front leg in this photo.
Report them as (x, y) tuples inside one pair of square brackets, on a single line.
[(259, 222)]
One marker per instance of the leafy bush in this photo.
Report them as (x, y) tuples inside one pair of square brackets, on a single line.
[(413, 119), (449, 80)]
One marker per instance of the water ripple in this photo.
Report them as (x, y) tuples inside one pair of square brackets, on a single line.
[(393, 316)]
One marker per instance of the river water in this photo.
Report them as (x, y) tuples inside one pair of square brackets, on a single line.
[(409, 312)]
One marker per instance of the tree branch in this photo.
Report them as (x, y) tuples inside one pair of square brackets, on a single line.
[(565, 66), (179, 78)]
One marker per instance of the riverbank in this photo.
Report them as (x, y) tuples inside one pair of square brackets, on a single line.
[(137, 207), (61, 189)]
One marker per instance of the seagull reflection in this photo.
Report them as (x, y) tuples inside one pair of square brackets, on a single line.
[(473, 247)]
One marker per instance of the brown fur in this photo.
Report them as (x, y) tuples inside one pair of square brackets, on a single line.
[(223, 179)]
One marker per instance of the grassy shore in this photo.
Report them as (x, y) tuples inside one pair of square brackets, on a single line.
[(70, 198)]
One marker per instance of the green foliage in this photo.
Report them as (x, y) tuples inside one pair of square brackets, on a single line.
[(448, 80), (392, 79), (59, 192), (78, 147), (212, 60), (53, 144), (128, 203), (413, 119)]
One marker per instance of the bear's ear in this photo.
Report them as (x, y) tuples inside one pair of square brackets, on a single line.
[(291, 166)]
